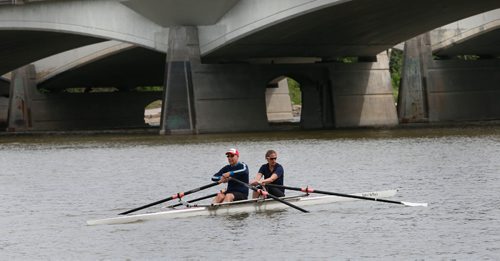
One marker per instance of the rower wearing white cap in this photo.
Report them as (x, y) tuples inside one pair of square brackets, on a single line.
[(234, 170)]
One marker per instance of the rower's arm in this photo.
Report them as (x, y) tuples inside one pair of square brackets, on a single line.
[(217, 176), (256, 180), (270, 179)]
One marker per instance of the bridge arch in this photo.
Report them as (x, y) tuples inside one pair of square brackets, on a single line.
[(367, 27), (474, 35), (315, 93), (283, 101), (90, 18)]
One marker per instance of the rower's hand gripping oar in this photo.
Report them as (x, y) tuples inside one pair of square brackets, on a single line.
[(265, 193), (310, 190), (177, 195)]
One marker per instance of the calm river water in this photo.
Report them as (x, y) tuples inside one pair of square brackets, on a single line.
[(51, 184)]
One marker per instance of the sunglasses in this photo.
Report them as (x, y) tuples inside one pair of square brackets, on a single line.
[(229, 155), (272, 158)]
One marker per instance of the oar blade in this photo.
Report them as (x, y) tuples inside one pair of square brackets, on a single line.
[(411, 204)]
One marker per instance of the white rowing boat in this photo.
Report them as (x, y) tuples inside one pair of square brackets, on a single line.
[(244, 206)]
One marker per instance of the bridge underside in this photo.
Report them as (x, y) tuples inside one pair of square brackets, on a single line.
[(486, 44), (350, 28), (125, 70), (19, 48)]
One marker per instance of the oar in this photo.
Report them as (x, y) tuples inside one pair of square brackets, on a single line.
[(265, 193), (310, 190), (178, 195), (194, 200)]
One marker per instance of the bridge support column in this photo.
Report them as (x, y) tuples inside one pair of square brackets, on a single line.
[(4, 103), (447, 90), (178, 115), (19, 109), (412, 101)]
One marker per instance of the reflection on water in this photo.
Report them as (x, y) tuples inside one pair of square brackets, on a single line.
[(51, 184)]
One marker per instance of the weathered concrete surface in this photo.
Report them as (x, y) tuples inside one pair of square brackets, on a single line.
[(178, 111), (412, 100), (173, 12), (124, 69), (334, 95), (464, 90), (363, 94), (55, 65), (20, 103), (105, 19), (33, 111), (479, 35), (447, 90), (231, 98), (278, 103), (294, 28)]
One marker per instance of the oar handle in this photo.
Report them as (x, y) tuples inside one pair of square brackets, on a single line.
[(270, 195), (177, 195)]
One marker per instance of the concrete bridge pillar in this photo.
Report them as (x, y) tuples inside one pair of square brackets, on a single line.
[(447, 90), (178, 115), (412, 101), (317, 102), (19, 109)]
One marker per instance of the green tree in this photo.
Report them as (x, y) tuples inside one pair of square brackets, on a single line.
[(294, 89), (395, 67)]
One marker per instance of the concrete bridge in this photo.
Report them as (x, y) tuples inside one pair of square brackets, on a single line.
[(461, 84), (221, 58)]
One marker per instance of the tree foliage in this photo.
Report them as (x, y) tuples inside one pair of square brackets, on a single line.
[(294, 90)]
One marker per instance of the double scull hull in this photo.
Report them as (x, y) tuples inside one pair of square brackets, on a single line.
[(244, 206)]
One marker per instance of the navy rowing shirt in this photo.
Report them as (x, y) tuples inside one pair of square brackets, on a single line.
[(278, 170), (240, 172)]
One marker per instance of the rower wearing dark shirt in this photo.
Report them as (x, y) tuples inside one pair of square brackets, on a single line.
[(273, 173), (235, 170)]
